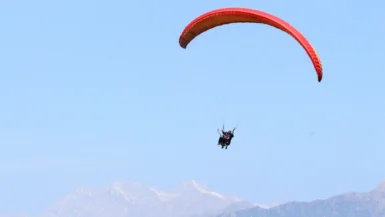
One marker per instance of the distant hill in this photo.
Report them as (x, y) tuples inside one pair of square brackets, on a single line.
[(367, 204)]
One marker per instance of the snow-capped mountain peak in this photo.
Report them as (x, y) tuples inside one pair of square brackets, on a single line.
[(135, 199)]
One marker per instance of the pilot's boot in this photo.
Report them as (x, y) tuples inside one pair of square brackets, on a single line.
[(226, 147)]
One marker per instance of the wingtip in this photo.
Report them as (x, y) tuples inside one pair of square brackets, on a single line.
[(182, 45)]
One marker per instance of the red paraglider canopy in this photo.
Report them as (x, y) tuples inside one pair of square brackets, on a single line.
[(224, 16)]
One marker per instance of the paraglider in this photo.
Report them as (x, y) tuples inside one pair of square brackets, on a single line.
[(224, 16), (225, 137)]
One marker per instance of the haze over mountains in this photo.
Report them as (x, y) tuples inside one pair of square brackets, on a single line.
[(122, 199), (191, 199)]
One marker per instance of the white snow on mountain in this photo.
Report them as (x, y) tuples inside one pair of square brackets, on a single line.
[(122, 199)]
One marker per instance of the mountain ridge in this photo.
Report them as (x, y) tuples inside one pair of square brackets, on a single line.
[(127, 198), (353, 204), (192, 199)]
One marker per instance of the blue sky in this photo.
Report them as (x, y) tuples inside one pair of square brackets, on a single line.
[(94, 92)]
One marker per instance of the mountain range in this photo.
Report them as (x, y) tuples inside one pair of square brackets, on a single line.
[(191, 199), (123, 199), (365, 204)]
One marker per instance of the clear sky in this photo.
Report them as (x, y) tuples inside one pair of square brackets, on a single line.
[(99, 91)]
